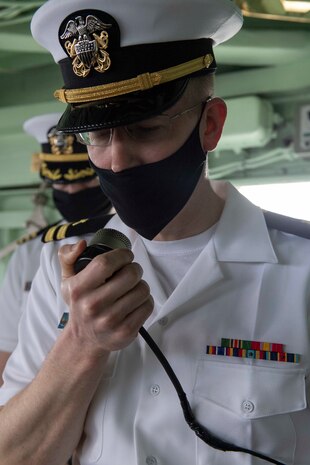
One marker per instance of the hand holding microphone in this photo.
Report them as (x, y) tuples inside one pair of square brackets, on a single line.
[(104, 240), (104, 290)]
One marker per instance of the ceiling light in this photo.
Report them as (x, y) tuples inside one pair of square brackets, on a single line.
[(292, 6)]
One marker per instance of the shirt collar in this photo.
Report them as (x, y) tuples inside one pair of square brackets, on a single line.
[(241, 234)]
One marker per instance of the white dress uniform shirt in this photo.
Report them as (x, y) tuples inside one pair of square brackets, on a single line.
[(15, 289), (248, 283)]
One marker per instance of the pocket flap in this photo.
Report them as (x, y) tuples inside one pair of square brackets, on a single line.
[(251, 391)]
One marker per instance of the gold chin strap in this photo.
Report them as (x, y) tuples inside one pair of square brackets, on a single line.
[(73, 157), (142, 82)]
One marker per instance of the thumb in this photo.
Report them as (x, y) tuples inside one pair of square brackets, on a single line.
[(68, 254)]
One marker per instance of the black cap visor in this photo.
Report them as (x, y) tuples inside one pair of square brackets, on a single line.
[(122, 110)]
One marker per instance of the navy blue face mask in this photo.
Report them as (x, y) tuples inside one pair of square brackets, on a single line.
[(86, 203), (147, 197)]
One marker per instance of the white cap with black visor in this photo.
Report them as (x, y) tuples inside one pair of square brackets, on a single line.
[(125, 61)]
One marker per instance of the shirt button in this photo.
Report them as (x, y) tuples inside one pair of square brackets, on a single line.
[(163, 321), (155, 390), (247, 406), (151, 460)]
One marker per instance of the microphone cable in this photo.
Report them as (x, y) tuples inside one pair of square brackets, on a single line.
[(200, 431)]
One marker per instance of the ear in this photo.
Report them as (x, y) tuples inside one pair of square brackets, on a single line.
[(212, 123)]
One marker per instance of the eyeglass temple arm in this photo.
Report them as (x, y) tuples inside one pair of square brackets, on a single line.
[(200, 431)]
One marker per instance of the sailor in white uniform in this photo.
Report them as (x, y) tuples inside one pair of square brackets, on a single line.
[(221, 290)]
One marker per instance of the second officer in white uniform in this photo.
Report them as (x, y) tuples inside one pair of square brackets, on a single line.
[(63, 164)]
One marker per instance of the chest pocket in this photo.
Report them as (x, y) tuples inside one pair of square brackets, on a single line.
[(250, 405)]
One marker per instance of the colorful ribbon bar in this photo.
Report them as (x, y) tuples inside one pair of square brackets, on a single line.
[(254, 354), (64, 320), (255, 345)]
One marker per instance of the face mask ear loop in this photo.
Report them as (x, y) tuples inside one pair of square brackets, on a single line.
[(205, 104), (198, 429)]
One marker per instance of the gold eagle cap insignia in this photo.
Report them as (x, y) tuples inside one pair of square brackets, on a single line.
[(88, 49), (61, 143)]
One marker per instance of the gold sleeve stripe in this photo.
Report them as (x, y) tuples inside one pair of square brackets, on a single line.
[(142, 82), (49, 236), (63, 158), (61, 233)]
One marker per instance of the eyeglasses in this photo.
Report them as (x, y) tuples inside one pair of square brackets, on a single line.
[(150, 130)]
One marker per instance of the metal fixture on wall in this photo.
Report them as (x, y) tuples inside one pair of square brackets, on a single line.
[(277, 10)]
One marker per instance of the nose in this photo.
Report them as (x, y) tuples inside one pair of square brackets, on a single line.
[(123, 151), (71, 188)]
